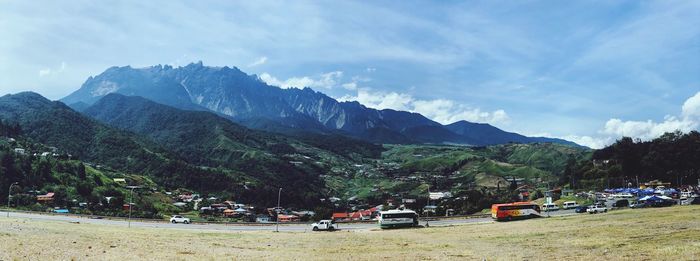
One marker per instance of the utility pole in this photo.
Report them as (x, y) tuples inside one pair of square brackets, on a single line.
[(277, 210), (9, 193), (427, 221), (131, 201)]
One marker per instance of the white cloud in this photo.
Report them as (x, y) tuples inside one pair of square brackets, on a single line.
[(44, 72), (371, 69), (259, 61), (691, 107), (350, 86), (325, 80), (647, 130), (644, 130), (588, 141), (354, 84), (447, 111), (381, 100), (440, 110), (49, 71)]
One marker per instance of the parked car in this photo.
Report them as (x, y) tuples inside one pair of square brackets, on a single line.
[(621, 203), (329, 225), (570, 205), (595, 209), (623, 196), (549, 207), (582, 209), (179, 219)]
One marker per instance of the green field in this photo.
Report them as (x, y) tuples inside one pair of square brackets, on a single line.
[(646, 234)]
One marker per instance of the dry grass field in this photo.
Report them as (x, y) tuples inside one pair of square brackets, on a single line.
[(646, 234)]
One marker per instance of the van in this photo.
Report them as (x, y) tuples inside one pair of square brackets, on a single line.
[(570, 205), (549, 207)]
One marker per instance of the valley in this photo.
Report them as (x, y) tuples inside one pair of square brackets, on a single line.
[(184, 153)]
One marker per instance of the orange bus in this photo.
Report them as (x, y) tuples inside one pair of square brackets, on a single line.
[(517, 210)]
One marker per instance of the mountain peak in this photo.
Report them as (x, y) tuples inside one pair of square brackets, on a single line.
[(28, 94), (230, 92), (27, 98)]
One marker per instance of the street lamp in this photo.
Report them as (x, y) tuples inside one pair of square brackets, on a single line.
[(9, 192), (131, 201), (277, 220)]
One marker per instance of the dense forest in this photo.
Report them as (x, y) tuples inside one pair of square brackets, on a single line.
[(673, 157), (253, 175)]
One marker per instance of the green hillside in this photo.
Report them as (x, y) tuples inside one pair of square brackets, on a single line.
[(169, 149)]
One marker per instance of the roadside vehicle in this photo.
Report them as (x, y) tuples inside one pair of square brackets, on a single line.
[(329, 225), (396, 218), (582, 209), (621, 203), (687, 194), (570, 205), (595, 209), (623, 196), (550, 207), (179, 219), (517, 210)]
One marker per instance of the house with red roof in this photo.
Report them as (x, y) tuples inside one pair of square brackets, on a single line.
[(361, 215), (288, 218), (45, 198), (340, 216)]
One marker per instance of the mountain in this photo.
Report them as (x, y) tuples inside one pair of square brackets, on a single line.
[(204, 138), (56, 124), (486, 134), (248, 100), (171, 154)]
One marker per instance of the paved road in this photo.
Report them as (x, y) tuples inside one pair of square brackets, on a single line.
[(238, 227)]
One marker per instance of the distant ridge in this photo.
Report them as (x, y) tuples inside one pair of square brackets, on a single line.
[(248, 100)]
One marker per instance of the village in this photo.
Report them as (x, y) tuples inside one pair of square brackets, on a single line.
[(214, 210), (431, 204)]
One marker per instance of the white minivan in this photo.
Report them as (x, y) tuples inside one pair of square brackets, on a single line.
[(549, 207), (569, 205)]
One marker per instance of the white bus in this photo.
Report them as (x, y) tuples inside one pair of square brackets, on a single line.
[(397, 218)]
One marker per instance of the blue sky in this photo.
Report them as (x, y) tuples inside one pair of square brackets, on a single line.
[(588, 71)]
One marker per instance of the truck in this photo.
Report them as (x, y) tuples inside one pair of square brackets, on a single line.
[(597, 208), (328, 225)]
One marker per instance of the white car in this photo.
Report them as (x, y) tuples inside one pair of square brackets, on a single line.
[(550, 207), (324, 225), (570, 205), (595, 209), (179, 219), (623, 196)]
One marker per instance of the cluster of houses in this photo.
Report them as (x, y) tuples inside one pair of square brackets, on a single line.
[(234, 210), (51, 152)]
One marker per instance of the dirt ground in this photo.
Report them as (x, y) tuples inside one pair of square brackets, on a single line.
[(646, 234)]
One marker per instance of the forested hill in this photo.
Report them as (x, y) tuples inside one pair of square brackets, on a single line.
[(209, 139), (54, 124)]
